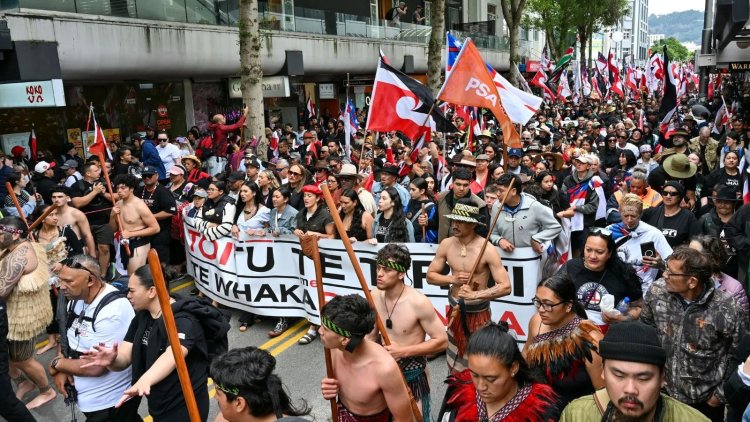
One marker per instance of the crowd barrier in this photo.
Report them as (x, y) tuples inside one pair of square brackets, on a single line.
[(270, 276)]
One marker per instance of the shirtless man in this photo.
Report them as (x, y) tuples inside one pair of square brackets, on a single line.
[(69, 216), (407, 315), (468, 297), (138, 223), (18, 259), (367, 381)]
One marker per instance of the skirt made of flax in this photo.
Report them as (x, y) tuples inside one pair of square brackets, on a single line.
[(345, 415), (477, 316), (29, 307)]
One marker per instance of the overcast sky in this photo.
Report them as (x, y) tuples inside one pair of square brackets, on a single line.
[(661, 7)]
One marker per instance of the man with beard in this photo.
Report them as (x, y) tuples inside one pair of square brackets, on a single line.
[(470, 297), (408, 316), (633, 374), (17, 260)]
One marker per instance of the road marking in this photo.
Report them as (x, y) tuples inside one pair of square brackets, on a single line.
[(277, 351), (289, 331)]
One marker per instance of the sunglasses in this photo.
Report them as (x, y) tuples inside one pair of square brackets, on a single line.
[(670, 193), (294, 173), (72, 263), (163, 139), (602, 231)]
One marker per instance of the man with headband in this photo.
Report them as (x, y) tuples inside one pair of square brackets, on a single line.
[(407, 315), (367, 381), (17, 259), (633, 375)]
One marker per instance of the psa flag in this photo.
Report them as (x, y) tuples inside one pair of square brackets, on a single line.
[(469, 83)]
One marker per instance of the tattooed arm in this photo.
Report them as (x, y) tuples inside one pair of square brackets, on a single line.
[(14, 266)]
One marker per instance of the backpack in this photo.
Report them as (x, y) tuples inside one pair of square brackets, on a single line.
[(206, 148), (70, 316), (214, 322), (389, 14)]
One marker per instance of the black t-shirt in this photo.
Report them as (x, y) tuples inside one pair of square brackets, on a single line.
[(591, 286), (721, 178), (166, 395), (160, 199), (677, 229), (98, 210)]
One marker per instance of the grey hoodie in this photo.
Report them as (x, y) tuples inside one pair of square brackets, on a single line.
[(531, 220)]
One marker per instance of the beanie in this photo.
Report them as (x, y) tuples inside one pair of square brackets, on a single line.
[(677, 185), (632, 341)]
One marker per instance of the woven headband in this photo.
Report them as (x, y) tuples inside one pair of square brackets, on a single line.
[(392, 265), (354, 338), (9, 229)]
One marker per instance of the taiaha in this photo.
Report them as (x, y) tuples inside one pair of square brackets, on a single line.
[(310, 249), (174, 341), (41, 218), (424, 228), (14, 198), (365, 289)]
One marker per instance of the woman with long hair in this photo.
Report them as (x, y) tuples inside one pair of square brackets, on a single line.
[(251, 216), (422, 211), (247, 388), (713, 247), (59, 243), (268, 183), (431, 187), (283, 217), (357, 221), (556, 199), (216, 218), (728, 174), (298, 176), (562, 343), (498, 386), (390, 224)]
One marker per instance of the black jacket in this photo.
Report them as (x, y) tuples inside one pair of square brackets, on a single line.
[(43, 186), (736, 392)]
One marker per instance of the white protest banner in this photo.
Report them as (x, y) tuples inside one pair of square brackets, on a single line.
[(270, 276)]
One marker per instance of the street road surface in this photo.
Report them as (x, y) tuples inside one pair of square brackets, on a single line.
[(300, 367)]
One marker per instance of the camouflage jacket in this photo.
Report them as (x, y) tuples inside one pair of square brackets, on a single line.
[(698, 339)]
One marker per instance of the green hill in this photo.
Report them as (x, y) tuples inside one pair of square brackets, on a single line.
[(685, 26)]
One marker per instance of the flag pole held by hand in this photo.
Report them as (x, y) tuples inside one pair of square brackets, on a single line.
[(14, 198), (174, 342), (365, 288)]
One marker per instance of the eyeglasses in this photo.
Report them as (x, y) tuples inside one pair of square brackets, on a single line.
[(319, 170), (278, 170), (668, 273), (72, 263), (670, 193), (294, 173), (622, 137), (546, 307)]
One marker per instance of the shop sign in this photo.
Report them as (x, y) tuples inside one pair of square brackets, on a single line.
[(161, 110), (327, 91), (739, 67), (532, 66), (32, 94), (273, 87)]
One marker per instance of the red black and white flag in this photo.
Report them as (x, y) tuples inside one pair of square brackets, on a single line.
[(402, 103), (310, 109), (668, 107), (540, 80), (31, 150), (99, 147)]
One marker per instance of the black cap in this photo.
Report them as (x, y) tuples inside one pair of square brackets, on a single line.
[(149, 170), (632, 341), (235, 176)]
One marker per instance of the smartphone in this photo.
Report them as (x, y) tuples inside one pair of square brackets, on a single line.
[(648, 249)]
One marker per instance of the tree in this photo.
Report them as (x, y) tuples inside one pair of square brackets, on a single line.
[(593, 16), (677, 51), (513, 13), (435, 45), (555, 18), (251, 72)]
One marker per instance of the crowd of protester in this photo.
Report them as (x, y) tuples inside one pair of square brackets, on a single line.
[(650, 223)]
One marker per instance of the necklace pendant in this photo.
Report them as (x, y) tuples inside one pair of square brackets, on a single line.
[(388, 324), (463, 251)]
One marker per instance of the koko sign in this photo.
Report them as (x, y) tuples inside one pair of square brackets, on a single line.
[(32, 94)]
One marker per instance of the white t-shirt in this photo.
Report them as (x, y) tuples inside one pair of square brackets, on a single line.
[(630, 251), (103, 392), (72, 179), (170, 155)]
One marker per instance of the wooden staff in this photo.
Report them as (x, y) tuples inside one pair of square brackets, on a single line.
[(310, 249), (424, 228), (100, 154), (473, 284), (365, 288), (13, 197), (41, 218), (174, 342)]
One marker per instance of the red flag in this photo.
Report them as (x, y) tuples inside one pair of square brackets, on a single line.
[(469, 83), (540, 80), (31, 150), (99, 147)]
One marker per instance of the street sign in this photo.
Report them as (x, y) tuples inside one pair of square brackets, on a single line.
[(32, 94), (273, 87)]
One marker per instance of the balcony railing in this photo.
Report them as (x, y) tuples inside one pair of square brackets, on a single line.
[(226, 13)]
